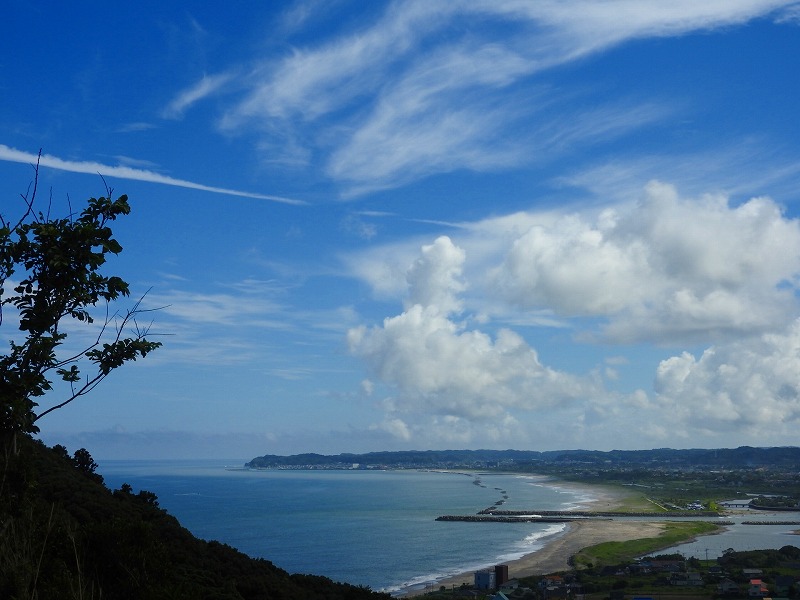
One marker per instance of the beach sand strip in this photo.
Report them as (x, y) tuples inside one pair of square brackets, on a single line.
[(555, 554)]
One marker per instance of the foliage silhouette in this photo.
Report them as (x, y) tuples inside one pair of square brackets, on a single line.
[(51, 280), (62, 533)]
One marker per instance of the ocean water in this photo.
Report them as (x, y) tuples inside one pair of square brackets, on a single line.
[(374, 528)]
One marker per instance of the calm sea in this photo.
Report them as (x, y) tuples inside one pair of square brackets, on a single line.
[(374, 528), (378, 528)]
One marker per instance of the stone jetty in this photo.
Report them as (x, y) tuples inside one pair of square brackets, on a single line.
[(529, 518), (592, 513)]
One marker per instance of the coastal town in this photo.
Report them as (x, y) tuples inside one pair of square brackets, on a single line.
[(735, 575)]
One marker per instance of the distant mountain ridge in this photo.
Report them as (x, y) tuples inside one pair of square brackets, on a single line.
[(743, 456)]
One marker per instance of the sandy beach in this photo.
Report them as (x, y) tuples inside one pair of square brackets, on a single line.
[(555, 554)]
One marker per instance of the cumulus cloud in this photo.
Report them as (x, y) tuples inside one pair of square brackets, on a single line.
[(434, 278), (441, 368), (667, 269), (750, 386), (396, 427)]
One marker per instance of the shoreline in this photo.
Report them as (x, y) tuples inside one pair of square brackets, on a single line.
[(557, 549), (555, 553)]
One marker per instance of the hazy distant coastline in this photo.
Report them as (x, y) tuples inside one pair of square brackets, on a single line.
[(532, 460)]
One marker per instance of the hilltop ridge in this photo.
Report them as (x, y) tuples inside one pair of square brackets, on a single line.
[(743, 456)]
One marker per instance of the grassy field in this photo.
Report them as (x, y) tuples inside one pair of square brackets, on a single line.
[(635, 501), (613, 553)]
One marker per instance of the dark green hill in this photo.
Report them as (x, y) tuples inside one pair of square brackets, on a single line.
[(742, 457), (63, 534)]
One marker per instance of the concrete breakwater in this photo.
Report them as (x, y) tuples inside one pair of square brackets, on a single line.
[(529, 518), (593, 513), (770, 522)]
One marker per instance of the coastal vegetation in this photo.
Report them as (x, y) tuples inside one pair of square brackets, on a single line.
[(63, 535), (614, 553), (776, 503)]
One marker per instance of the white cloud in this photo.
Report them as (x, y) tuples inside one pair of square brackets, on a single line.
[(241, 322), (355, 225), (417, 127), (750, 386), (383, 267), (790, 15), (669, 268), (417, 91), (367, 387), (203, 88), (588, 26), (666, 269), (745, 167), (310, 83), (439, 367), (434, 278), (396, 427), (52, 162)]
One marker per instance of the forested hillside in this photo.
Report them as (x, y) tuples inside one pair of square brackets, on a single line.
[(63, 534)]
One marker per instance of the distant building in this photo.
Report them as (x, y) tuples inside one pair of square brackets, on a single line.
[(509, 585), (752, 573), (485, 579), (500, 575), (757, 589), (728, 587), (666, 566), (715, 571)]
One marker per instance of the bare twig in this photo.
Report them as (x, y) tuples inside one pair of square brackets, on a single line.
[(139, 333)]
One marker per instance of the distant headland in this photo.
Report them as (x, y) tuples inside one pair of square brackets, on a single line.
[(546, 461), (693, 479)]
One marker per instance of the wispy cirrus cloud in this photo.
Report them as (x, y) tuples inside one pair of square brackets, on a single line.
[(207, 85), (135, 127), (122, 172), (237, 322), (419, 91), (747, 167)]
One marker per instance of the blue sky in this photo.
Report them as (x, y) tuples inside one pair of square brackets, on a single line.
[(391, 225)]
